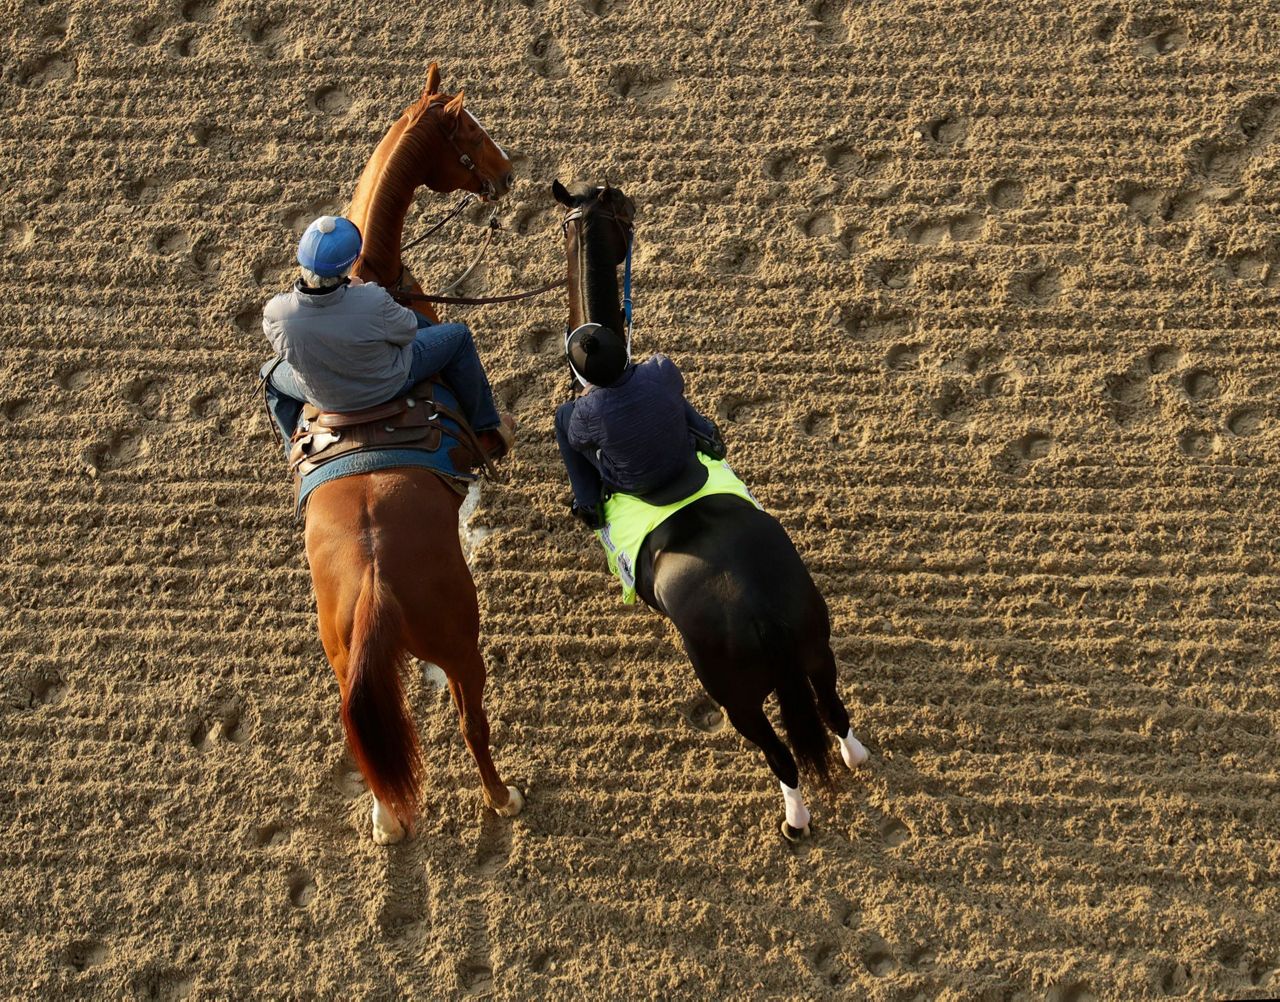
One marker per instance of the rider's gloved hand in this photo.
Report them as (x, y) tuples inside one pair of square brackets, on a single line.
[(589, 515), (712, 446)]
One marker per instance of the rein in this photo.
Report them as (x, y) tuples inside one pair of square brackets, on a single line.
[(626, 290), (419, 297), (402, 295), (467, 199), (491, 227)]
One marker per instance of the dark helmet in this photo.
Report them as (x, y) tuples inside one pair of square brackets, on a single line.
[(597, 355)]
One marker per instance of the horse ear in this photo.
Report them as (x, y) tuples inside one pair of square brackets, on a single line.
[(433, 80), (561, 193), (454, 107)]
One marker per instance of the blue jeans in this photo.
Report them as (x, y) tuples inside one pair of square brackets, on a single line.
[(585, 474), (450, 350), (444, 348), (284, 398)]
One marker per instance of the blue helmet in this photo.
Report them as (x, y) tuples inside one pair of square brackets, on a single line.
[(329, 246)]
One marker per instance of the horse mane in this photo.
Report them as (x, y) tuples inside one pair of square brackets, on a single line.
[(419, 107), (393, 186), (600, 282)]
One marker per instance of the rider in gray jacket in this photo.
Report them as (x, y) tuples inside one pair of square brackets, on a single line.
[(344, 344)]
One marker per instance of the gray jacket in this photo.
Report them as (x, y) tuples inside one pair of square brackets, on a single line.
[(350, 348)]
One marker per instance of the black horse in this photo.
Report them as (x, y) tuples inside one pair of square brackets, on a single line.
[(725, 572)]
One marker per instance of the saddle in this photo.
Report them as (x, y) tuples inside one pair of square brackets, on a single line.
[(408, 422)]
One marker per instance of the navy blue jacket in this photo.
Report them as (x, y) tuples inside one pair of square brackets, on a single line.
[(640, 427)]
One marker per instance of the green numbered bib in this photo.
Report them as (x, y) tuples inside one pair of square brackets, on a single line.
[(628, 520)]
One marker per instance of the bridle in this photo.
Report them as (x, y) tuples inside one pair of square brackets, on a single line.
[(488, 189), (488, 192), (578, 214)]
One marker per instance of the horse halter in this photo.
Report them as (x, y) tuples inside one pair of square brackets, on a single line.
[(579, 213)]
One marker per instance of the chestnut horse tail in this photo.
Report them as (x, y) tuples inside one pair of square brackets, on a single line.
[(375, 714)]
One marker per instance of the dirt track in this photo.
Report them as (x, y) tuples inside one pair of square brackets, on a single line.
[(985, 297)]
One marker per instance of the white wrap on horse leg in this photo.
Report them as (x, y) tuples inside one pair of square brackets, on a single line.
[(387, 828), (852, 752), (797, 812)]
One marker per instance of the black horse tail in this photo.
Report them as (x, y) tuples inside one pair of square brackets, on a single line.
[(806, 734)]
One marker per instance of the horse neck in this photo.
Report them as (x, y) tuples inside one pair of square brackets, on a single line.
[(594, 296), (383, 197)]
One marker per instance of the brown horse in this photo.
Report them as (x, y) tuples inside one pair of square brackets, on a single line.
[(383, 547)]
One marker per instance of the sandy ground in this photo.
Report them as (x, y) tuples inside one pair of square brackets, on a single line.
[(985, 298)]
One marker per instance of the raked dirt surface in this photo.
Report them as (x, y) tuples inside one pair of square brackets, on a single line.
[(985, 298)]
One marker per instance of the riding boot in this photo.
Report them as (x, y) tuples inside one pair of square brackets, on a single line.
[(497, 442)]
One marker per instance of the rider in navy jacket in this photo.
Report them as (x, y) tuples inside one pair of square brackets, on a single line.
[(632, 431)]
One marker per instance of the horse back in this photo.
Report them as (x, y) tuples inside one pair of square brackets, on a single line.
[(720, 560)]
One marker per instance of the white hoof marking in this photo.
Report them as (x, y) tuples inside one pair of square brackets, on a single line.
[(387, 829), (514, 804), (797, 812), (852, 751)]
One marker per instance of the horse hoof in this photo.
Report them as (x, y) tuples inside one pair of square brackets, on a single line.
[(384, 837), (514, 804), (794, 834), (853, 753), (387, 829)]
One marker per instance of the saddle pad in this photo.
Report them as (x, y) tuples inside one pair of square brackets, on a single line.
[(356, 463), (628, 520)]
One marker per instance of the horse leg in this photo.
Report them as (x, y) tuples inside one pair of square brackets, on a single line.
[(751, 722), (466, 677), (387, 828), (834, 712), (741, 693)]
